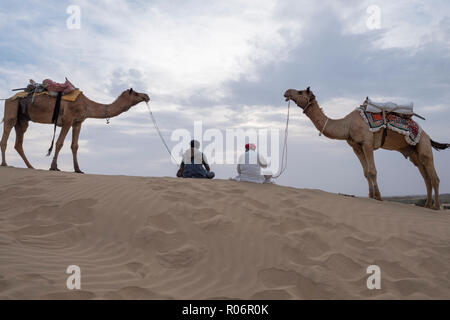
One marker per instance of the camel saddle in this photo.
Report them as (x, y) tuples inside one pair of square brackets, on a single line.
[(64, 91), (404, 111), (55, 87), (393, 116)]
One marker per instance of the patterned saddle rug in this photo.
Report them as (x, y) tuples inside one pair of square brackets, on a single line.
[(408, 127)]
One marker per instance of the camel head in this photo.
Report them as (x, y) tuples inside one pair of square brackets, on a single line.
[(133, 97), (302, 98)]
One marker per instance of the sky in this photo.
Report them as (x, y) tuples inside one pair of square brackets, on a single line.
[(228, 64)]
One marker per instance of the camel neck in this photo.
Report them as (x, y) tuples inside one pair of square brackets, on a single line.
[(102, 111), (334, 129)]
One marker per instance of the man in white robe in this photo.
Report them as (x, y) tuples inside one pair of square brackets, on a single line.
[(250, 165)]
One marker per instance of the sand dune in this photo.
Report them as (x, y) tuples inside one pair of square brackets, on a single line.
[(165, 238)]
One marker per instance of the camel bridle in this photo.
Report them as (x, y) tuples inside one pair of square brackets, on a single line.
[(310, 102)]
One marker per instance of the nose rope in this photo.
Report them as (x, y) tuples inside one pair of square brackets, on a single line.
[(284, 153), (159, 132), (323, 129)]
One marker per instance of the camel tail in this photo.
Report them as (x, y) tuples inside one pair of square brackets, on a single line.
[(51, 147), (439, 146)]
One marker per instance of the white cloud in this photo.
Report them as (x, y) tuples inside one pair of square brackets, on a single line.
[(177, 53), (408, 24)]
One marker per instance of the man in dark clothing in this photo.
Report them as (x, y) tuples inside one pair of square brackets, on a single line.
[(195, 164)]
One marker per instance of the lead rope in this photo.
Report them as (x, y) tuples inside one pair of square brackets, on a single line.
[(284, 155), (159, 133)]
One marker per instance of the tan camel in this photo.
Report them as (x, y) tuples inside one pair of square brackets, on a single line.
[(355, 131), (72, 115)]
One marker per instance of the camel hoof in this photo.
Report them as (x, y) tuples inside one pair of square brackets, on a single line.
[(79, 171), (3, 165), (54, 169)]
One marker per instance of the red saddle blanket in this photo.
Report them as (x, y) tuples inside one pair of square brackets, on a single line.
[(408, 127), (66, 87)]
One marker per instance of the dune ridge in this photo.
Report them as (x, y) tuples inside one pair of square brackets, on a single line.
[(166, 238)]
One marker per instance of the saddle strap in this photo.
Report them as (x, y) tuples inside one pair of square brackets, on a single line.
[(55, 120), (383, 137)]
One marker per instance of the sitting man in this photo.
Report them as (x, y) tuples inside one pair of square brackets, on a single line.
[(249, 166), (193, 162)]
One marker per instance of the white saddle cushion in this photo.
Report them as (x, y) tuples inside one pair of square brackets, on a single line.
[(389, 107)]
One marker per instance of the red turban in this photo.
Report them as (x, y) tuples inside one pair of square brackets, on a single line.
[(250, 146)]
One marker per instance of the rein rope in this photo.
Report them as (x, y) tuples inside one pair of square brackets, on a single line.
[(284, 154), (159, 132)]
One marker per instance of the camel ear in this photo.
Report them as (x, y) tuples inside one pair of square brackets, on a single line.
[(130, 91), (308, 91)]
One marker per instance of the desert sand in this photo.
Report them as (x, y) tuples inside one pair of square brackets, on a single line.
[(167, 238)]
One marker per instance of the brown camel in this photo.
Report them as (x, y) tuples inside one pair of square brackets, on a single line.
[(355, 131), (72, 114)]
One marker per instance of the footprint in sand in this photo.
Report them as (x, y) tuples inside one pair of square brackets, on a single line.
[(297, 256), (216, 224), (289, 225), (263, 215), (202, 214), (153, 238), (183, 257), (343, 266), (163, 221), (310, 242), (303, 286)]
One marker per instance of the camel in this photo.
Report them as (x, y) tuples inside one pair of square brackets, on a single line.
[(355, 131), (72, 115)]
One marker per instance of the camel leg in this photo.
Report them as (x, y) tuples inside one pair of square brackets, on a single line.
[(9, 121), (360, 154), (415, 160), (428, 164), (7, 127), (21, 127), (371, 170), (59, 144), (76, 128), (425, 155), (435, 183)]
